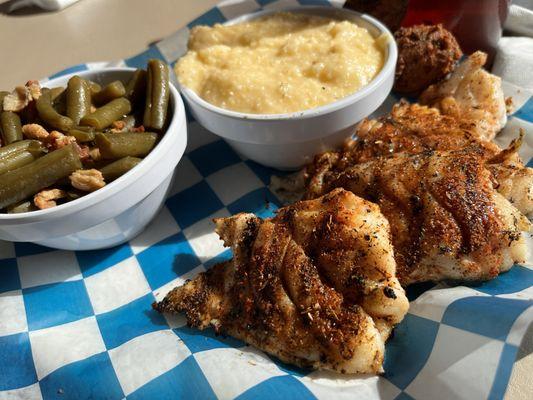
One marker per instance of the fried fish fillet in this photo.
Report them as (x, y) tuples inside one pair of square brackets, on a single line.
[(314, 286), (413, 128), (447, 221), (472, 96)]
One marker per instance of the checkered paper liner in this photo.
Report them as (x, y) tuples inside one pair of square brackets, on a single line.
[(78, 325)]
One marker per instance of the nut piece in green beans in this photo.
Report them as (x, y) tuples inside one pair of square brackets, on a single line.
[(87, 180)]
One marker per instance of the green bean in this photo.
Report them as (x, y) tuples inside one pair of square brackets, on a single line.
[(157, 95), (10, 127), (81, 135), (2, 95), (83, 128), (123, 144), (112, 91), (95, 87), (59, 100), (136, 87), (60, 103), (118, 168), (78, 99), (49, 115), (105, 115), (56, 92), (26, 181), (16, 160), (33, 146), (25, 206)]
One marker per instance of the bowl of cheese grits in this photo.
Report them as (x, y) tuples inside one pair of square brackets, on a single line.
[(282, 86)]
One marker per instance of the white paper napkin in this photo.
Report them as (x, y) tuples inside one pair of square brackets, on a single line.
[(514, 59)]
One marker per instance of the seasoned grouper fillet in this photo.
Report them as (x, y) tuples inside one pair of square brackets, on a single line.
[(314, 286)]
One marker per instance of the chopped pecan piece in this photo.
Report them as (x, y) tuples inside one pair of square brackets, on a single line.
[(35, 131), (19, 98), (47, 198), (94, 153), (58, 140), (84, 152), (118, 125), (87, 180), (34, 88)]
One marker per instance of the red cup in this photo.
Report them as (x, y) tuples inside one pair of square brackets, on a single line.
[(477, 24)]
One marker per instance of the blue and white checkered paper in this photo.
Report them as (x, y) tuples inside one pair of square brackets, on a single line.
[(78, 325)]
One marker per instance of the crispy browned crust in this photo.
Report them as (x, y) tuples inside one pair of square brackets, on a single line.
[(414, 129), (447, 193), (433, 201), (314, 286), (426, 54)]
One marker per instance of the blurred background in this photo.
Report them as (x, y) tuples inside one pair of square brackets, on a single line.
[(35, 43)]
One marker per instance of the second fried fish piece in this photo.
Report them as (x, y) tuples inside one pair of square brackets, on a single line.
[(314, 286), (447, 220)]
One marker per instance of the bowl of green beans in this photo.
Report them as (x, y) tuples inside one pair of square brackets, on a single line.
[(86, 160)]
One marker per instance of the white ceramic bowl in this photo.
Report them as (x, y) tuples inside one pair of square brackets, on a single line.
[(118, 211), (288, 141)]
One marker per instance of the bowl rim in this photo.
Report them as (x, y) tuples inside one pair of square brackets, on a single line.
[(150, 161), (388, 67)]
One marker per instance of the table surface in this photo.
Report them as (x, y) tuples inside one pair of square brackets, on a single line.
[(37, 44)]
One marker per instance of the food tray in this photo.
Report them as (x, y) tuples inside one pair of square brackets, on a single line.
[(78, 325)]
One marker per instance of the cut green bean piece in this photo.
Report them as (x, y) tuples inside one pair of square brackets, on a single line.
[(81, 135), (157, 95), (118, 168), (25, 206), (49, 115), (118, 145), (2, 95), (33, 146), (28, 180), (83, 128), (136, 87), (78, 99), (10, 127), (112, 91), (60, 103), (15, 160), (93, 86), (56, 92), (105, 115)]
